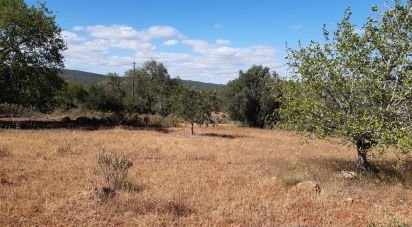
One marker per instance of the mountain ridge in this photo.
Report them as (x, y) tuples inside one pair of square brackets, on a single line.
[(89, 78)]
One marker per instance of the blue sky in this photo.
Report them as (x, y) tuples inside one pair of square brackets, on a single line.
[(207, 41)]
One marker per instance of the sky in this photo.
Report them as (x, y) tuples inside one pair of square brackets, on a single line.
[(208, 41)]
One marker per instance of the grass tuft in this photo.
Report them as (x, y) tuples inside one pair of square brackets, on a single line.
[(4, 151), (290, 181), (113, 168)]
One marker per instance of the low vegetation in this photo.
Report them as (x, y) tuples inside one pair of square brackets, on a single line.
[(113, 168), (4, 151), (211, 179), (356, 88)]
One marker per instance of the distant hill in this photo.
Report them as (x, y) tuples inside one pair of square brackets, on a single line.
[(87, 78), (201, 85), (82, 77)]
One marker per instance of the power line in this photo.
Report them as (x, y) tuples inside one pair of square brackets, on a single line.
[(134, 75)]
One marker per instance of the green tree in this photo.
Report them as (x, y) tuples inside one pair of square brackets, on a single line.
[(30, 54), (153, 89), (108, 95), (357, 85), (195, 107), (73, 95), (249, 97)]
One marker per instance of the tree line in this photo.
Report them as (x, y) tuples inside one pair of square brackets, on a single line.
[(355, 85)]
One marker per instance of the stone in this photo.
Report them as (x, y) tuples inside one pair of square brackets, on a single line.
[(347, 174), (308, 187)]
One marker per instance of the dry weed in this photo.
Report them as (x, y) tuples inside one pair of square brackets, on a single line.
[(233, 180)]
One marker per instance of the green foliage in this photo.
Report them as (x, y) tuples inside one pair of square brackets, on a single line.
[(30, 55), (16, 110), (150, 89), (114, 168), (356, 85), (249, 98), (196, 85), (85, 78), (196, 107), (73, 95), (108, 95), (146, 90), (89, 79)]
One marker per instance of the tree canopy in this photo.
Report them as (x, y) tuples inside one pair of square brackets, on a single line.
[(357, 85), (249, 97), (196, 107), (30, 54), (153, 89)]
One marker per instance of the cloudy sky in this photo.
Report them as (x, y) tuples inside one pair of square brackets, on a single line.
[(207, 41)]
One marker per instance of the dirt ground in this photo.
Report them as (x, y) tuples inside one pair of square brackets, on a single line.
[(223, 176)]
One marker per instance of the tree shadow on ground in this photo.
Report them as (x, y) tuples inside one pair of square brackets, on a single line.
[(387, 173), (81, 123), (148, 128), (220, 135)]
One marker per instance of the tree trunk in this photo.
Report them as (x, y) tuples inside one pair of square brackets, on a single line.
[(192, 129), (363, 164)]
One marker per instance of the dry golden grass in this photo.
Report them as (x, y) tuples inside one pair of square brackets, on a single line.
[(226, 177)]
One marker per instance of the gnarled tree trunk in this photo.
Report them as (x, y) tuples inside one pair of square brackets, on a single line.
[(363, 164)]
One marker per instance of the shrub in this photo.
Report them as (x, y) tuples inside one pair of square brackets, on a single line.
[(157, 121), (65, 148), (4, 151), (16, 110), (114, 168)]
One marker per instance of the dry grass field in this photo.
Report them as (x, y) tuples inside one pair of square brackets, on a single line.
[(224, 176)]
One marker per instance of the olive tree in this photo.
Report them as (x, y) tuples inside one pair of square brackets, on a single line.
[(358, 84), (195, 107)]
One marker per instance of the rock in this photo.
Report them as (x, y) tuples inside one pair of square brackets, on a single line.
[(308, 187), (349, 200), (346, 174)]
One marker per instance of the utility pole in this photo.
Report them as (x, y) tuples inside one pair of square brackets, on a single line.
[(134, 75)]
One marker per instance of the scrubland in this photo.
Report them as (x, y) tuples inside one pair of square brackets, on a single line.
[(223, 176)]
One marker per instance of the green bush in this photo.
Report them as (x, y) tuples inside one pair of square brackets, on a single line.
[(114, 168), (16, 110)]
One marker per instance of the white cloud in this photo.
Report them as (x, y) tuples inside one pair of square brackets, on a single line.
[(113, 32), (127, 32), (162, 32), (78, 28), (104, 49), (170, 42), (223, 42), (71, 37)]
